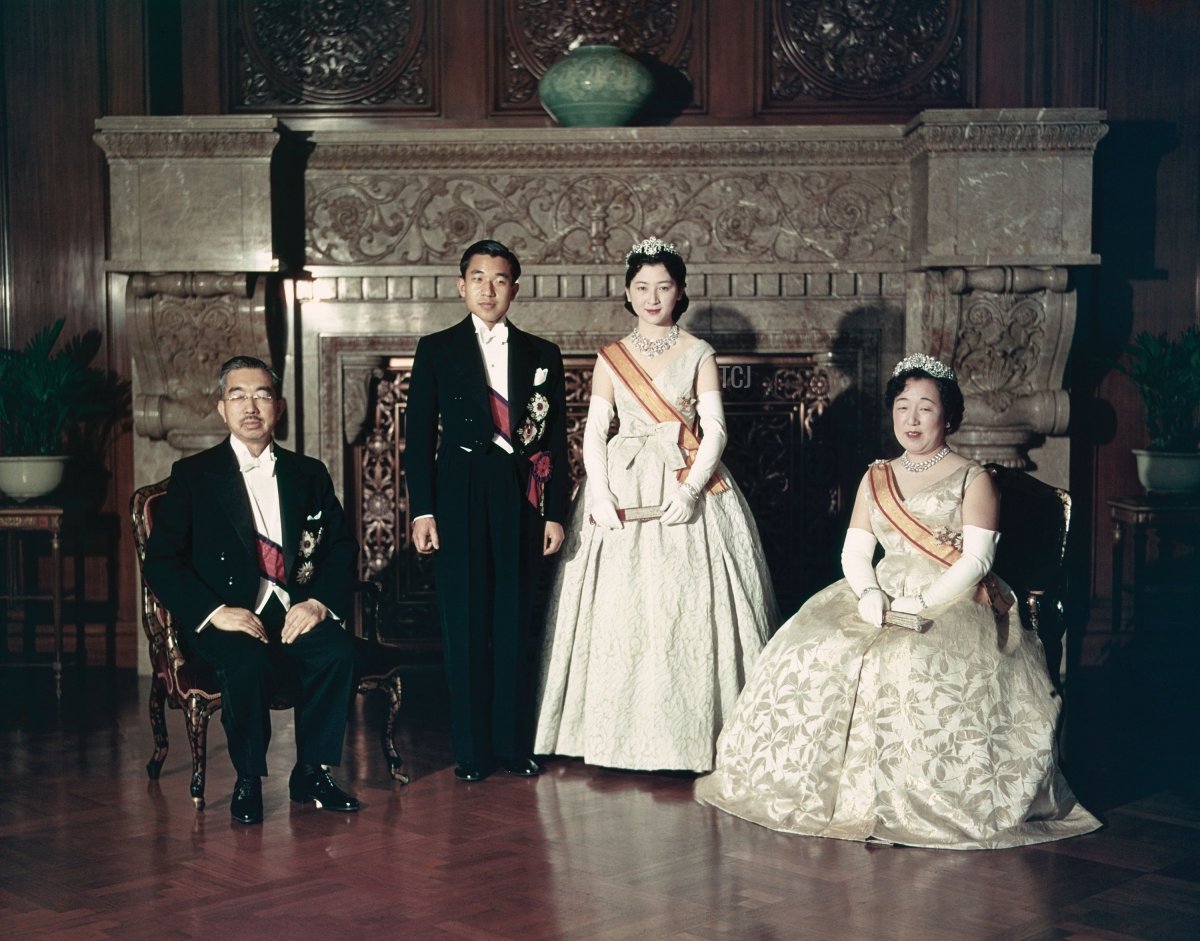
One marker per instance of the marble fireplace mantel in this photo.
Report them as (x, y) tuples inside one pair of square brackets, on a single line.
[(328, 245)]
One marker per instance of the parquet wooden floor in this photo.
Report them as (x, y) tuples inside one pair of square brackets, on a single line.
[(90, 849)]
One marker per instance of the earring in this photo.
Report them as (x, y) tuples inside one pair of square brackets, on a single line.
[(947, 426)]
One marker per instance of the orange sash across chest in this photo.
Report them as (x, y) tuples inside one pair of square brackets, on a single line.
[(887, 498), (648, 396)]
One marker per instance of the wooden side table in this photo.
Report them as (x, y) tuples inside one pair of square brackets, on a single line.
[(36, 519), (1172, 518)]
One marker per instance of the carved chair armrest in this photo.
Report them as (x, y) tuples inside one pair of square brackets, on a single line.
[(174, 648)]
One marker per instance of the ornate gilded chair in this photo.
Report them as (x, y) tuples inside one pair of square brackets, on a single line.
[(189, 684), (1035, 520)]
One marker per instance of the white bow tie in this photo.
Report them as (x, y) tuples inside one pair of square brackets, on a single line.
[(498, 332), (253, 463)]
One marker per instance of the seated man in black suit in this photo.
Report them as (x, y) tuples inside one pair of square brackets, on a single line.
[(251, 554)]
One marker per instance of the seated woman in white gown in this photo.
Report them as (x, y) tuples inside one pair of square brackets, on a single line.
[(942, 736), (653, 623)]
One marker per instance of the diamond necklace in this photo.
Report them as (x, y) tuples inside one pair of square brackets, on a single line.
[(657, 347), (916, 467)]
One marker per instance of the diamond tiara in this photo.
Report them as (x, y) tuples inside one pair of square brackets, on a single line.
[(928, 364), (650, 246)]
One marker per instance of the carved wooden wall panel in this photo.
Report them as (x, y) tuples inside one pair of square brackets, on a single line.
[(333, 55), (897, 55), (531, 35), (817, 56), (792, 448)]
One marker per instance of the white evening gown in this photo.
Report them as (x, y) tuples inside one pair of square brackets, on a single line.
[(944, 738), (651, 629)]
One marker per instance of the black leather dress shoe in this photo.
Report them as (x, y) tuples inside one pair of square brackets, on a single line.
[(522, 768), (246, 806), (316, 784), (469, 773)]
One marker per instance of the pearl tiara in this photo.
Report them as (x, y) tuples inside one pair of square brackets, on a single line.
[(651, 246), (926, 363)]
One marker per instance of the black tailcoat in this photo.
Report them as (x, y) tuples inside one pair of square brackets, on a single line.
[(490, 534), (202, 553)]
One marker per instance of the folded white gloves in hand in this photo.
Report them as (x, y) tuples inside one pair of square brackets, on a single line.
[(600, 503), (858, 556), (979, 552)]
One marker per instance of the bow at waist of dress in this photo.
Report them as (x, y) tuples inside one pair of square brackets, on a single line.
[(662, 439)]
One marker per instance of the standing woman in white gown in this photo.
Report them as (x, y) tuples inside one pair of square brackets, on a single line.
[(653, 623), (943, 736)]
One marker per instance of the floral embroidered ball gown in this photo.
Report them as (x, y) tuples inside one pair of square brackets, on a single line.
[(942, 738), (652, 628)]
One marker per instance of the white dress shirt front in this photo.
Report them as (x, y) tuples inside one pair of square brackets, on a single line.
[(258, 476), (493, 345)]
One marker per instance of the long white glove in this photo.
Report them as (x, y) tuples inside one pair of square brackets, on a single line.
[(858, 557), (979, 551), (600, 503), (682, 502)]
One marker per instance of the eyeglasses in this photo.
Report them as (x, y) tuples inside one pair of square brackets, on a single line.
[(261, 396)]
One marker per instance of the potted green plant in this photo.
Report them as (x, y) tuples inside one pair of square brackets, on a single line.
[(47, 399), (1166, 372)]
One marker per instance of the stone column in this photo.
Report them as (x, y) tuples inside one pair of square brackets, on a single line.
[(1001, 216)]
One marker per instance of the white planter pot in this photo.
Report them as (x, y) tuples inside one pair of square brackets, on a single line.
[(25, 478), (1168, 471)]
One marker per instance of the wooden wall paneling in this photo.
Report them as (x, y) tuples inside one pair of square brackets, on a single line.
[(1004, 68), (128, 88), (124, 57), (1038, 53), (1075, 54), (462, 31), (201, 61), (1148, 207), (57, 82), (732, 26), (56, 173)]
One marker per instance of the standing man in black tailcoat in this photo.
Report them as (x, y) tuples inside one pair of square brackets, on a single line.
[(490, 505), (250, 552)]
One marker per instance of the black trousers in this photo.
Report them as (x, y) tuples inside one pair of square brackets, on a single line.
[(249, 673), (486, 570)]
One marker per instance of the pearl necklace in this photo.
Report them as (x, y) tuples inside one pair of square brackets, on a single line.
[(648, 347), (915, 467)]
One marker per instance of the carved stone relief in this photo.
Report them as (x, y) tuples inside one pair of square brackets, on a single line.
[(1007, 331), (787, 217), (183, 326), (534, 34), (304, 55), (822, 53)]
